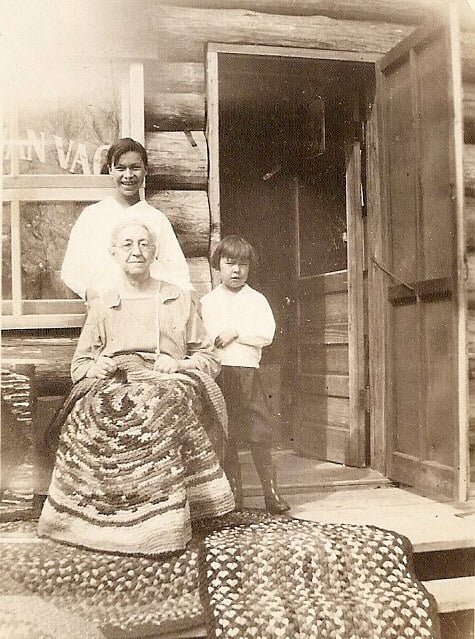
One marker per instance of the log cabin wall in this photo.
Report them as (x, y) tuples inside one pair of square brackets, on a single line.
[(175, 85), (175, 88), (175, 99), (175, 109)]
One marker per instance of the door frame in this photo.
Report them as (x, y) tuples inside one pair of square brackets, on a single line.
[(356, 249)]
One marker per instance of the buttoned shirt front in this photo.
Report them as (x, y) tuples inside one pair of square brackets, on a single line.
[(176, 329)]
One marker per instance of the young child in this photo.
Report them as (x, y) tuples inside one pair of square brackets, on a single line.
[(240, 322)]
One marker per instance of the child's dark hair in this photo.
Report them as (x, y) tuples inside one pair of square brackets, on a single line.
[(119, 147), (234, 247)]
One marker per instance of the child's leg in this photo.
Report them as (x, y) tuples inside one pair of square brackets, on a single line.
[(260, 436), (262, 456), (229, 382), (232, 468)]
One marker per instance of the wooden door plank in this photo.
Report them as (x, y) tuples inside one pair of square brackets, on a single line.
[(356, 352), (428, 371)]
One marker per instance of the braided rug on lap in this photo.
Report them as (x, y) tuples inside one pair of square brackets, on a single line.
[(258, 575), (133, 367), (134, 464)]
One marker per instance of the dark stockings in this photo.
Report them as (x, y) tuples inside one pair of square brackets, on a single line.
[(275, 503), (232, 469), (261, 454)]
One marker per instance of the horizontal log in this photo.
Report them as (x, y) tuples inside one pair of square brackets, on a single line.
[(469, 168), (51, 358), (183, 33), (402, 11), (174, 77), (188, 212), (174, 112), (470, 222), (177, 159), (200, 275)]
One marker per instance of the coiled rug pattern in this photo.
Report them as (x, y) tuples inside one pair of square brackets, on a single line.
[(246, 574)]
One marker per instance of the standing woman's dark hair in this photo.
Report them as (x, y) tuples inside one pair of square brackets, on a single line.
[(118, 148)]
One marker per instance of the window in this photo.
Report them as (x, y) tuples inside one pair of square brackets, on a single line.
[(58, 122)]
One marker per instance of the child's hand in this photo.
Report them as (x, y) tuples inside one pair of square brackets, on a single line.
[(166, 364), (225, 338)]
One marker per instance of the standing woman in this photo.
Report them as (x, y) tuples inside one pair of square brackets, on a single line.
[(88, 268)]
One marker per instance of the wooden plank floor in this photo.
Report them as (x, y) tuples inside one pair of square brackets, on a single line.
[(298, 474), (321, 491)]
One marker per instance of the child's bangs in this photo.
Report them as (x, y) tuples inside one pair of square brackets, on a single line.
[(238, 250), (235, 248)]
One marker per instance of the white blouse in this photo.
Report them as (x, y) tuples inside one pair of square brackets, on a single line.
[(247, 312), (88, 262)]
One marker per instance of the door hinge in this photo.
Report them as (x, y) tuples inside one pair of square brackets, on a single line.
[(365, 398)]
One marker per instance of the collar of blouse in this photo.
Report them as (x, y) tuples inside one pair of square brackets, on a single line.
[(166, 292)]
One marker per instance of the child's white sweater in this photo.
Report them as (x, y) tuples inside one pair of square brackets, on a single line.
[(246, 311)]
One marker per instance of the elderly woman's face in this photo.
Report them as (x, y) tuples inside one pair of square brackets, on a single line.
[(134, 250)]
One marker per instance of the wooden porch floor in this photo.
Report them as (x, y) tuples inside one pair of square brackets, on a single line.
[(321, 491)]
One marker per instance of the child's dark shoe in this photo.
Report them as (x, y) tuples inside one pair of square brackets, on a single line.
[(273, 500)]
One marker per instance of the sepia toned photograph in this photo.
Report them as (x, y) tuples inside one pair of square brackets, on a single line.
[(238, 319)]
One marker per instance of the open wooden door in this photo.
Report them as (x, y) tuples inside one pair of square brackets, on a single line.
[(329, 416), (422, 194)]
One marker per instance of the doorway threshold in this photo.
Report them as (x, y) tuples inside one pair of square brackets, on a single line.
[(297, 474)]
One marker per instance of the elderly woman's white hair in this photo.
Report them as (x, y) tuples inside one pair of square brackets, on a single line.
[(131, 221)]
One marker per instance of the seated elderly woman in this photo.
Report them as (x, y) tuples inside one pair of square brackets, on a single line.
[(134, 464)]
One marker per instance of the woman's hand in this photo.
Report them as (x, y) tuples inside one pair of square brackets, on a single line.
[(103, 367), (225, 338), (166, 364), (186, 365)]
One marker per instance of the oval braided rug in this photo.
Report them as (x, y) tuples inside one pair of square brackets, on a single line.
[(247, 574), (295, 579)]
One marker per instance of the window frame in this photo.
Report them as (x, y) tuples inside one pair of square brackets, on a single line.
[(17, 188)]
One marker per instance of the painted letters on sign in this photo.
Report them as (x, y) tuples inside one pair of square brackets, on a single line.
[(50, 153)]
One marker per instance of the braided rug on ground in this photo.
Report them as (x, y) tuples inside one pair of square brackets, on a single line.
[(247, 574), (295, 579)]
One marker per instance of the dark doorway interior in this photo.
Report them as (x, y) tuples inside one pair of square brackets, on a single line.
[(282, 185)]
